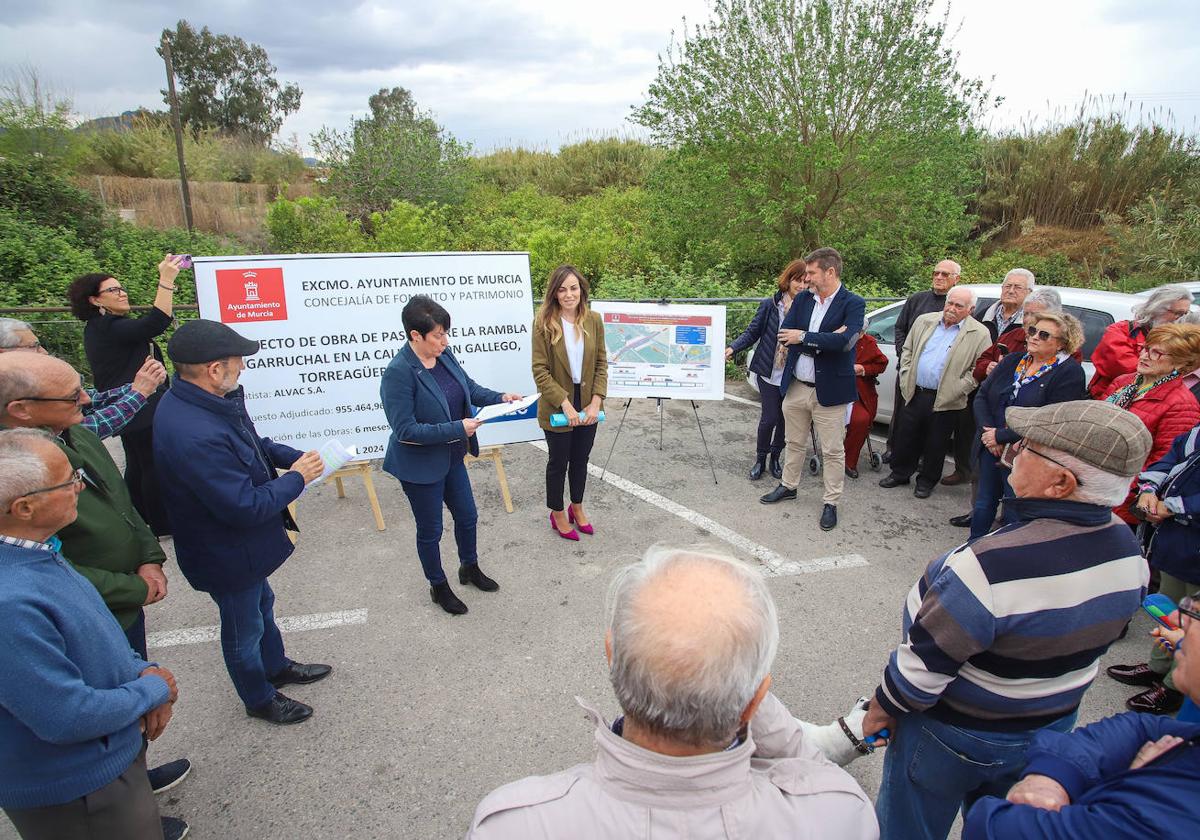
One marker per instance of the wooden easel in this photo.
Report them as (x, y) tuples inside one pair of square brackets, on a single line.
[(363, 470), (492, 453)]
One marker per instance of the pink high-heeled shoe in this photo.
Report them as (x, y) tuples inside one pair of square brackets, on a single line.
[(587, 529), (566, 535)]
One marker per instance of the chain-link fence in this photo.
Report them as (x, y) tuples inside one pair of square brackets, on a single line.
[(62, 334)]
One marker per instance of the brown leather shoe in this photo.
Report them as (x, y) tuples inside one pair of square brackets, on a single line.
[(954, 478)]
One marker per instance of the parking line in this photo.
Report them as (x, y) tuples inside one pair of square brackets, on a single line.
[(741, 400), (287, 624), (775, 563)]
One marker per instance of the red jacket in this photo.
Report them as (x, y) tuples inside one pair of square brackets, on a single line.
[(1115, 356), (1168, 411), (1014, 342), (868, 354)]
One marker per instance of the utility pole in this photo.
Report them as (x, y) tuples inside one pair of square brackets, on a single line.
[(175, 123)]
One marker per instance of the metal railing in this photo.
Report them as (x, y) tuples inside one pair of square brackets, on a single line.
[(61, 333)]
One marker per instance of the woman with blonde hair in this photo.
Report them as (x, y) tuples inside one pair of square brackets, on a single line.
[(570, 367), (1155, 392), (1045, 373)]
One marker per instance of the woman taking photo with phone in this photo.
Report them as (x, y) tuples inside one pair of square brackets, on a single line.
[(570, 367), (117, 346)]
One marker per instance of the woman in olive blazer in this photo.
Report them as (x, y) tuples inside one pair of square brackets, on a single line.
[(570, 367)]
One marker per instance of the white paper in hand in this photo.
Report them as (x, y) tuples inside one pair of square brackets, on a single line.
[(491, 412), (335, 456)]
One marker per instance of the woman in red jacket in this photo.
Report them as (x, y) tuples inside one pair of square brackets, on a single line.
[(869, 362), (1156, 392), (1117, 353)]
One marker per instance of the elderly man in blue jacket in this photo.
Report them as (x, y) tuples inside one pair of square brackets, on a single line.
[(1132, 775), (228, 510), (76, 703)]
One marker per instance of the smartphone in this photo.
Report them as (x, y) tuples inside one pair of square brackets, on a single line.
[(1158, 607), (185, 260)]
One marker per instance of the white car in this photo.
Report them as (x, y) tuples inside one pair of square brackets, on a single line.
[(1095, 309)]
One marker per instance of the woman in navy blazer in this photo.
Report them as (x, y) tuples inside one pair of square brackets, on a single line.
[(1043, 375), (428, 399), (767, 364)]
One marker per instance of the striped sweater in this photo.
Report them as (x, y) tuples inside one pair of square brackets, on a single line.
[(1004, 633)]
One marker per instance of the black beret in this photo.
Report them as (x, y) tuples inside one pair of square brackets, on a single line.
[(200, 342)]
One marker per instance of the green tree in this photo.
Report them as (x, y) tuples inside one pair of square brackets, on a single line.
[(398, 153), (226, 84), (795, 123), (35, 122)]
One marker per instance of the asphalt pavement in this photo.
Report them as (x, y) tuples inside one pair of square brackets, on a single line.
[(425, 713)]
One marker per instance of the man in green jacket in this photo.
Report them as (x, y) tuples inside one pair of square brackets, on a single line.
[(108, 543)]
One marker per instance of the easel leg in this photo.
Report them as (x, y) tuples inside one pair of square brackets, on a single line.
[(341, 488), (696, 411), (503, 479), (615, 437), (374, 499), (660, 422)]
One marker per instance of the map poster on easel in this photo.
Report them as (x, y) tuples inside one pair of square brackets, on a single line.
[(669, 351)]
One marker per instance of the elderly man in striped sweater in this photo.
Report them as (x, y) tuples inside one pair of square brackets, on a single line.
[(1002, 635)]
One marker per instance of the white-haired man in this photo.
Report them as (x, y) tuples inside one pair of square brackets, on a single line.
[(936, 376), (1002, 635), (76, 702), (691, 637), (108, 412), (945, 275), (1008, 312)]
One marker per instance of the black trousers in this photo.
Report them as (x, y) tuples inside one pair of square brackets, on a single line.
[(964, 438), (568, 462), (142, 481), (922, 435), (770, 422)]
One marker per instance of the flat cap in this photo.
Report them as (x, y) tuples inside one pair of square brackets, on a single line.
[(1097, 433), (199, 342)]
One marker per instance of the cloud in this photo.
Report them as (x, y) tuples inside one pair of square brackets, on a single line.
[(544, 72)]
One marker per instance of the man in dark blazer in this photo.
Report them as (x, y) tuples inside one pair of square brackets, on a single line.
[(820, 330), (228, 510)]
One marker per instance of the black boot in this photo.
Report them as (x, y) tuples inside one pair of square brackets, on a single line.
[(760, 464), (442, 595), (473, 574), (776, 467)]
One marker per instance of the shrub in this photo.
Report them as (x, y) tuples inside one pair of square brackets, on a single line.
[(312, 226), (406, 227), (37, 261), (33, 189)]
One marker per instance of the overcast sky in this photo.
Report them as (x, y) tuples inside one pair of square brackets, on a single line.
[(540, 73)]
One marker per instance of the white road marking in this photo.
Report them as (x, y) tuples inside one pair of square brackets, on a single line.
[(287, 624), (775, 563), (741, 399)]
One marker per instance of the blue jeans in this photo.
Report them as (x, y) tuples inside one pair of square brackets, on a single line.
[(770, 420), (426, 501), (932, 769), (250, 642), (993, 486)]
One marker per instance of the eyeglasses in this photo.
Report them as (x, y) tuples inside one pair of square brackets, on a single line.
[(76, 481), (1034, 332), (1152, 353), (943, 274), (1190, 606), (76, 398), (1009, 287), (1179, 313), (1011, 450), (119, 291)]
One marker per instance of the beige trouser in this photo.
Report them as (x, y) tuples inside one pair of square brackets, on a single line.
[(800, 408)]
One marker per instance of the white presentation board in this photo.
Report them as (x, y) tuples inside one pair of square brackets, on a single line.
[(657, 350), (330, 323)]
